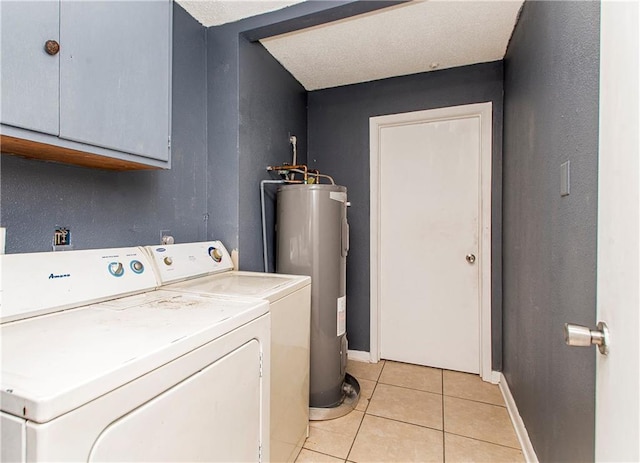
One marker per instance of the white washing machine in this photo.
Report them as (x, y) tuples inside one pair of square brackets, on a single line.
[(206, 268), (88, 375)]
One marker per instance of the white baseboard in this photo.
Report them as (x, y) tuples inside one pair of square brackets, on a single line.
[(521, 432), (359, 356), (493, 377)]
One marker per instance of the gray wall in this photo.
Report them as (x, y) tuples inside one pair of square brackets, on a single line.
[(223, 120), (253, 105), (549, 254), (273, 105), (338, 121), (109, 209)]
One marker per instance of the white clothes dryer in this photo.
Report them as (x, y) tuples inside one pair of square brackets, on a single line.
[(153, 376), (206, 268)]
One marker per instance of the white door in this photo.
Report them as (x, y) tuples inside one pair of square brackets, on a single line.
[(430, 255), (618, 300)]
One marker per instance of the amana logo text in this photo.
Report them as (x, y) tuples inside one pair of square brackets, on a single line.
[(63, 275)]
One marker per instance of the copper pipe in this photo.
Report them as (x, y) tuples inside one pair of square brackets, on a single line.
[(317, 174), (299, 171), (302, 167)]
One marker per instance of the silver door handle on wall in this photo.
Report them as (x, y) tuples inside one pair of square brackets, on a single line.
[(577, 335), (470, 258)]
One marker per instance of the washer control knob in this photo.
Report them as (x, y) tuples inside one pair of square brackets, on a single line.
[(137, 266), (167, 260), (116, 269), (215, 254)]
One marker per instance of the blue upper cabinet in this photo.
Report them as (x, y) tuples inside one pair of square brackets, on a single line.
[(29, 76), (114, 75), (104, 100)]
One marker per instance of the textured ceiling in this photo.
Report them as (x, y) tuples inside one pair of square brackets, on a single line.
[(216, 12), (418, 36), (406, 39)]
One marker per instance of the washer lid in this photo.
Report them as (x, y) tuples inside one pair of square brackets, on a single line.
[(55, 363), (270, 286)]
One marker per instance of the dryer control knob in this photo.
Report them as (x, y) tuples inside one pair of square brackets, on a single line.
[(116, 269), (168, 260), (137, 266), (215, 254)]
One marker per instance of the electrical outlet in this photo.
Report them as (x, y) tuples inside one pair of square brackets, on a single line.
[(166, 237), (61, 236), (61, 239)]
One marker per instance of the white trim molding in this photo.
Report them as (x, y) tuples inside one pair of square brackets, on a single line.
[(359, 356), (495, 377), (483, 111), (521, 432)]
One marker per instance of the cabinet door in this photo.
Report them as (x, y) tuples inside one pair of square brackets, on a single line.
[(115, 69), (29, 77)]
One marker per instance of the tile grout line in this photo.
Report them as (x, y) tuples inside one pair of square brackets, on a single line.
[(485, 441), (418, 390), (444, 457), (442, 394), (475, 401), (317, 451), (410, 388), (442, 370), (400, 421), (405, 422), (364, 414), (401, 387), (354, 439)]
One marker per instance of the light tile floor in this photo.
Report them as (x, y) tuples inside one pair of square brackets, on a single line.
[(412, 413)]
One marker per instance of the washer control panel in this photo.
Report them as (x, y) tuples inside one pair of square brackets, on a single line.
[(70, 279), (176, 262)]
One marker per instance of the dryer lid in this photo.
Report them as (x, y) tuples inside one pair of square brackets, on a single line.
[(55, 363)]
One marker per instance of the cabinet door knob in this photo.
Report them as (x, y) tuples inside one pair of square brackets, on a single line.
[(52, 47)]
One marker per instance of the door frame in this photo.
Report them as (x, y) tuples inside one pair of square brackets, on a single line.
[(482, 111), (617, 408)]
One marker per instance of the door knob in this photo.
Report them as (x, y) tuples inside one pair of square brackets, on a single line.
[(470, 258), (576, 335)]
